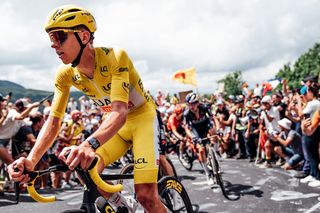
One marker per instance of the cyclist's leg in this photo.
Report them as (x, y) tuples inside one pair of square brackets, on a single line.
[(146, 159), (110, 152), (165, 166)]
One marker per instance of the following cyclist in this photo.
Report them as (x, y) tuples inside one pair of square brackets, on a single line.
[(108, 77), (177, 131), (198, 120)]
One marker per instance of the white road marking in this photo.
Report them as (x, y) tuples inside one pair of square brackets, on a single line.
[(281, 195), (314, 208)]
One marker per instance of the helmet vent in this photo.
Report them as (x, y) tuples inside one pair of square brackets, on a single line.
[(70, 18), (73, 10)]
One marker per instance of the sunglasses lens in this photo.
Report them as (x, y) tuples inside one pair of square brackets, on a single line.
[(59, 36)]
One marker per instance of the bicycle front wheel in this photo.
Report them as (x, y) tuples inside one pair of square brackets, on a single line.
[(216, 170), (173, 195)]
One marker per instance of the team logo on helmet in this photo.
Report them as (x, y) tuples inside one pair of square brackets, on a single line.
[(57, 13)]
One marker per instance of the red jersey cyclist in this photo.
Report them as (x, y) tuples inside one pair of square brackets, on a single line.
[(108, 77), (176, 129)]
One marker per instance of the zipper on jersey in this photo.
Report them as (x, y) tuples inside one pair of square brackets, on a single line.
[(97, 88)]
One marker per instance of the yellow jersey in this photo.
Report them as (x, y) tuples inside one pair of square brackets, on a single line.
[(114, 79)]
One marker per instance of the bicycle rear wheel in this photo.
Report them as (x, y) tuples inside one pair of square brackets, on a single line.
[(173, 195), (128, 184), (161, 172), (188, 159)]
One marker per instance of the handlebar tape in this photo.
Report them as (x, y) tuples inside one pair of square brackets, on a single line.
[(35, 195), (93, 172)]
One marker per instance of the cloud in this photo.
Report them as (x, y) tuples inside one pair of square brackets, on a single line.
[(217, 37)]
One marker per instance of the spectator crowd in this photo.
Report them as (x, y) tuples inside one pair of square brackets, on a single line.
[(269, 128)]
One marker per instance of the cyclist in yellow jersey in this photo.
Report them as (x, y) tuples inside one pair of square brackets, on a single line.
[(79, 127), (108, 77)]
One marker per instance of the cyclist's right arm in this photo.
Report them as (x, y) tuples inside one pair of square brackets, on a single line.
[(44, 141), (48, 132)]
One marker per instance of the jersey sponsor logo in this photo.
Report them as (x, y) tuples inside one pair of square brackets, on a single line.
[(145, 94), (85, 89), (101, 102), (140, 163), (107, 88), (104, 71), (106, 50), (106, 108), (123, 69), (76, 78), (125, 86)]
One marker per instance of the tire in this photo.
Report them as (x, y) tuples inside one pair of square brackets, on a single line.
[(128, 184), (161, 172), (216, 171), (217, 174), (189, 159), (171, 190), (172, 166)]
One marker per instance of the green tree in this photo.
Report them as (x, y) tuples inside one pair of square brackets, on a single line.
[(233, 83), (306, 65)]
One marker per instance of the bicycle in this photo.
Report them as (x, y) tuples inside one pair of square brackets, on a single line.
[(191, 152), (212, 162), (216, 173), (92, 180), (173, 199)]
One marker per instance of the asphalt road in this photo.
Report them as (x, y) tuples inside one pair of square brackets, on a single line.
[(260, 189)]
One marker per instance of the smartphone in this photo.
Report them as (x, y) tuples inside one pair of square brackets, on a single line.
[(306, 115)]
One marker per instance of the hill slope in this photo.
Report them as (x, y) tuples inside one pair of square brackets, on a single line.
[(19, 91)]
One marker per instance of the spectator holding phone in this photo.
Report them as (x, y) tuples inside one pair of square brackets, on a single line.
[(311, 141)]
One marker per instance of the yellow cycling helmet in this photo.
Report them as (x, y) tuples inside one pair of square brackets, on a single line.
[(69, 16)]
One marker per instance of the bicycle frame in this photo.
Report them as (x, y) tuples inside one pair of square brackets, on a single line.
[(92, 181)]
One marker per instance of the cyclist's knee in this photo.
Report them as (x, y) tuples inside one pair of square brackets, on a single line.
[(147, 194)]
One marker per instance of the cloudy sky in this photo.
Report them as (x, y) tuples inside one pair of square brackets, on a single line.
[(215, 36)]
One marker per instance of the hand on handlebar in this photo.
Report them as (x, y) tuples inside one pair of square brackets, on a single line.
[(77, 155), (17, 168)]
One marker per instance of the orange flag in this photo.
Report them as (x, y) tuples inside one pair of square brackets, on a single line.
[(186, 76)]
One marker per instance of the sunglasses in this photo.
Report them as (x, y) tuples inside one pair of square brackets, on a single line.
[(61, 35)]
